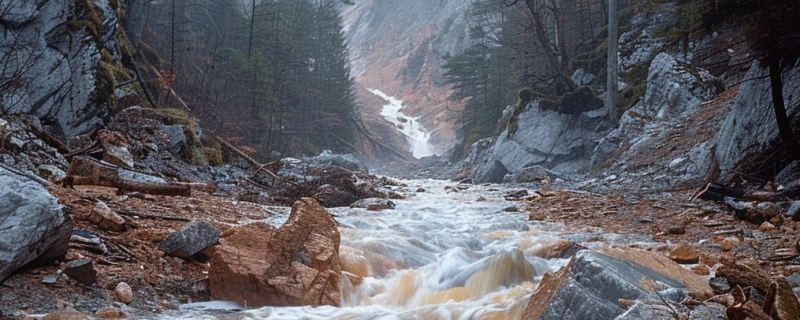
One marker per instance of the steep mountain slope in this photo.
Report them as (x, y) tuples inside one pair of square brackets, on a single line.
[(397, 47)]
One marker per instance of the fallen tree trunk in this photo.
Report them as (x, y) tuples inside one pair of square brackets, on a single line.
[(259, 166), (360, 156), (380, 145), (88, 171), (715, 192)]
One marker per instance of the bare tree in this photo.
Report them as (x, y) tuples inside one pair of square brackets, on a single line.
[(546, 13), (612, 82)]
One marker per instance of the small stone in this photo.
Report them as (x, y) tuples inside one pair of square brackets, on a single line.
[(511, 209), (82, 271), (726, 245), (396, 195), (63, 305), (701, 270), (373, 204), (707, 260), (50, 279), (123, 293), (766, 227), (677, 230), (110, 313), (420, 189), (645, 220), (105, 218), (65, 315), (481, 199), (720, 285), (196, 236), (684, 254)]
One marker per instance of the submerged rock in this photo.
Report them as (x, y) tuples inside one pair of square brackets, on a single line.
[(294, 265), (34, 229), (373, 204)]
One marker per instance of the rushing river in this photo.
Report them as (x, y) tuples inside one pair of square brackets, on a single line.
[(443, 253), (415, 134)]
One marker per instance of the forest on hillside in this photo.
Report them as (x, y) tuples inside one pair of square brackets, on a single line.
[(265, 75)]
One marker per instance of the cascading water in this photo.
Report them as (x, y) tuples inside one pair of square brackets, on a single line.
[(440, 254), (415, 134)]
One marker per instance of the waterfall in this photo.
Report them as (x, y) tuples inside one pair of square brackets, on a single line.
[(415, 134)]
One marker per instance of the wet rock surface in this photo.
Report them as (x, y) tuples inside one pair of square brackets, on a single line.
[(34, 227), (594, 284), (191, 239), (296, 264)]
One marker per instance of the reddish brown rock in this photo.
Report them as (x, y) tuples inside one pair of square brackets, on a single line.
[(294, 265), (123, 293), (701, 270), (780, 302), (102, 216), (110, 313), (684, 254)]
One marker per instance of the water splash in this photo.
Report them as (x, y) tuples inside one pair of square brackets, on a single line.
[(437, 255), (415, 134)]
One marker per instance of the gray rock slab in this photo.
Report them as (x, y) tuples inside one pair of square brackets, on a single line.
[(191, 239), (595, 282), (33, 229), (750, 126)]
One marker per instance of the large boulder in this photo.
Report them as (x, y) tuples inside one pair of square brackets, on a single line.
[(594, 283), (52, 62), (295, 265), (34, 229), (675, 89), (557, 141), (750, 126)]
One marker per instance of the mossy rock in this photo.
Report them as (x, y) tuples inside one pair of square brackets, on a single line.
[(578, 101), (630, 96), (213, 155), (176, 116)]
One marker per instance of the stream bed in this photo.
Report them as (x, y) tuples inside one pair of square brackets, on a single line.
[(446, 252)]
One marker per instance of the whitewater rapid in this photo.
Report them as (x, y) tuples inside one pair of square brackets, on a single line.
[(416, 135), (448, 252)]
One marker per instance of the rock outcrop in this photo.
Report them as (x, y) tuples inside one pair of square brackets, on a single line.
[(296, 264), (553, 140), (52, 51), (34, 229), (750, 126), (645, 144), (594, 283)]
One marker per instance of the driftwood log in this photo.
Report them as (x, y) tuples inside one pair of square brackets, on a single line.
[(88, 171)]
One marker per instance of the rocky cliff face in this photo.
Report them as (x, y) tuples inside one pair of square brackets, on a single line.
[(397, 47), (58, 58), (684, 129)]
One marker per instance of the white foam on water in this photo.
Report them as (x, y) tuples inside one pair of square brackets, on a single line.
[(439, 254)]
